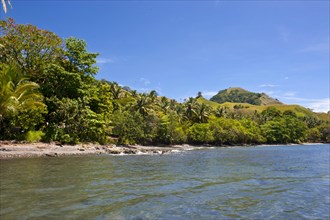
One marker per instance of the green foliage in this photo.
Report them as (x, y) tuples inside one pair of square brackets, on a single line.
[(199, 134), (77, 59), (128, 127), (16, 92), (230, 132), (30, 48), (34, 136), (61, 83), (286, 129), (325, 133), (72, 121), (170, 131), (313, 135), (238, 96)]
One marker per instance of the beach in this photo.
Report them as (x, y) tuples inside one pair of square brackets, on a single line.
[(12, 149)]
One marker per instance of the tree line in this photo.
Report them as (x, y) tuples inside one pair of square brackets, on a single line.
[(48, 92)]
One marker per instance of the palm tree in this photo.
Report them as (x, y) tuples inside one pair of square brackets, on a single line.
[(4, 5), (190, 108), (164, 104), (16, 93), (203, 113), (115, 89), (134, 93), (153, 95), (142, 105), (221, 111)]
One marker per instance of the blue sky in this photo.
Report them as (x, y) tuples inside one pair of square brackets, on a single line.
[(181, 47)]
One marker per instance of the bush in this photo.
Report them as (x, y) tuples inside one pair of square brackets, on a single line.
[(34, 136), (200, 134)]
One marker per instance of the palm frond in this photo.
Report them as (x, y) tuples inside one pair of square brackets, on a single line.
[(4, 6)]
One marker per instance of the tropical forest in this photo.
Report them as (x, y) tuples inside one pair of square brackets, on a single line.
[(49, 93)]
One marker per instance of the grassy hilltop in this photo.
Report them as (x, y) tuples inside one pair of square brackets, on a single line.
[(239, 95)]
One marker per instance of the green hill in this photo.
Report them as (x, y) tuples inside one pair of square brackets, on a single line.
[(239, 95), (250, 109)]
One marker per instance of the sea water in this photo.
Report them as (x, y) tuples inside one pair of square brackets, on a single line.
[(261, 182)]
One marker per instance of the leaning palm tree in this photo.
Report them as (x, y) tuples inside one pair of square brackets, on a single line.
[(4, 5), (203, 113), (16, 93), (190, 108)]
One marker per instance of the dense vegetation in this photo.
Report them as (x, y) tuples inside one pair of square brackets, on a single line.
[(239, 95), (48, 92)]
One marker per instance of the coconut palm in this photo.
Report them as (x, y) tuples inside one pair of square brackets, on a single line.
[(202, 112), (16, 92), (164, 104), (190, 108), (221, 111), (142, 105), (115, 90), (4, 5), (152, 95)]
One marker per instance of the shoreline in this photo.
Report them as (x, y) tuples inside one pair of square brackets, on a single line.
[(13, 149)]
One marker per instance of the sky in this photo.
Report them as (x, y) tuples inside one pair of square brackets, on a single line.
[(179, 48)]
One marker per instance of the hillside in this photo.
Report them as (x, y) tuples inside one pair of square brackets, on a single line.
[(249, 108), (239, 95)]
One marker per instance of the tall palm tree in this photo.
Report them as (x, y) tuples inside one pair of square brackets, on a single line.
[(16, 92), (190, 108), (153, 95), (164, 104), (115, 90), (4, 5), (202, 112)]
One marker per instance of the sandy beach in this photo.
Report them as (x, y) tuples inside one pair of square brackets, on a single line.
[(10, 149)]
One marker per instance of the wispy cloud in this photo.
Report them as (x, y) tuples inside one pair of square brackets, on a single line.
[(209, 93), (289, 94), (317, 105), (320, 105), (321, 47), (286, 78), (268, 85), (270, 92), (101, 60), (145, 81)]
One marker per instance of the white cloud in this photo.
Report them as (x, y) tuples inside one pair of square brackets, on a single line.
[(317, 105), (268, 85), (101, 60), (286, 77), (209, 93), (320, 105)]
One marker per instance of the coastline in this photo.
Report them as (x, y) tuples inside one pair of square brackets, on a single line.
[(13, 149)]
